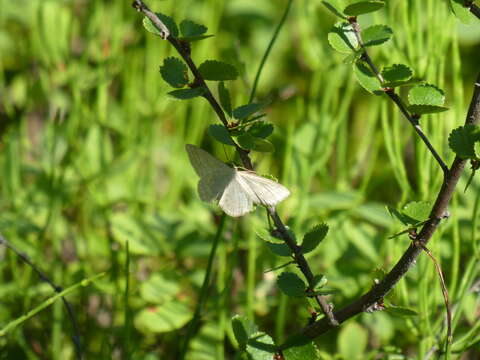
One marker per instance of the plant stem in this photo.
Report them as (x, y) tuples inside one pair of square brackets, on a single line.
[(378, 292), (192, 327)]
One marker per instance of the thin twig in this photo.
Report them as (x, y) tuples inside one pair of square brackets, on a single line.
[(474, 9), (56, 288), (390, 92), (380, 290), (184, 52), (444, 292)]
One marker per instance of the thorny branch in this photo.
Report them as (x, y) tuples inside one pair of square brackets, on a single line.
[(184, 51)]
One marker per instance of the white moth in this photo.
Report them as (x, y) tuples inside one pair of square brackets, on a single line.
[(235, 190)]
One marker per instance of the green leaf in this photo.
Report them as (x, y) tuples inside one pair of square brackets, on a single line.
[(217, 71), (186, 94), (279, 249), (334, 6), (167, 317), (221, 134), (426, 95), (367, 79), (363, 7), (195, 38), (376, 35), (313, 237), (260, 346), (158, 289), (190, 29), (308, 351), (353, 57), (417, 210), (174, 72), (342, 38), (224, 96), (476, 147), (245, 111), (400, 311), (352, 341), (318, 282), (291, 284), (426, 109), (167, 21), (261, 129), (246, 141), (243, 329), (396, 74), (461, 12), (462, 141), (426, 99)]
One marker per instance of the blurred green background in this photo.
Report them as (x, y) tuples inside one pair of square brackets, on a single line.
[(92, 156)]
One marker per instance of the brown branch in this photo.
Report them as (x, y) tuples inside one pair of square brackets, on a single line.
[(380, 290), (390, 92), (184, 51), (474, 9)]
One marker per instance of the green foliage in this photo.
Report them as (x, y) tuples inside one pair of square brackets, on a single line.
[(396, 75), (261, 129), (190, 29), (217, 71), (220, 133), (342, 38), (463, 141), (187, 94), (461, 11), (244, 111), (412, 213), (426, 99), (169, 316), (400, 311), (260, 346), (363, 7), (313, 237), (174, 72), (335, 7), (366, 78), (291, 284), (224, 97), (307, 351), (352, 341), (167, 21), (243, 329), (376, 35)]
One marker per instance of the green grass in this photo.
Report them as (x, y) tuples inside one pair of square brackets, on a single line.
[(92, 156)]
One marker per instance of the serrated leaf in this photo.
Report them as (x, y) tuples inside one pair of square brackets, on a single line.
[(217, 71), (396, 74), (221, 134), (260, 346), (194, 38), (334, 6), (461, 12), (462, 141), (376, 35), (290, 284), (400, 311), (279, 249), (245, 111), (167, 21), (313, 238), (417, 211), (426, 94), (246, 141), (363, 7), (185, 94), (366, 78), (174, 72), (224, 96), (308, 351), (189, 28), (342, 38), (426, 109), (243, 329), (261, 129)]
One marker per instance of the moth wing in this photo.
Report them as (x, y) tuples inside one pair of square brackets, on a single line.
[(262, 190), (235, 201), (206, 165)]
